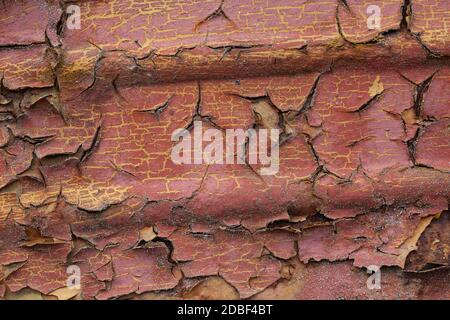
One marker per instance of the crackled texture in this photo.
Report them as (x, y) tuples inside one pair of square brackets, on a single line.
[(86, 176)]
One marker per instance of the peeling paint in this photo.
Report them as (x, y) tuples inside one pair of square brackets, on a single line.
[(86, 178)]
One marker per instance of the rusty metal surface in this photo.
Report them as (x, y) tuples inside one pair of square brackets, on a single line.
[(86, 178)]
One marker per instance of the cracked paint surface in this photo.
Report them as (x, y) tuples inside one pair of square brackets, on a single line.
[(86, 178)]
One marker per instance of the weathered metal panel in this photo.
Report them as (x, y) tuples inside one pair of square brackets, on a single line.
[(87, 177)]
